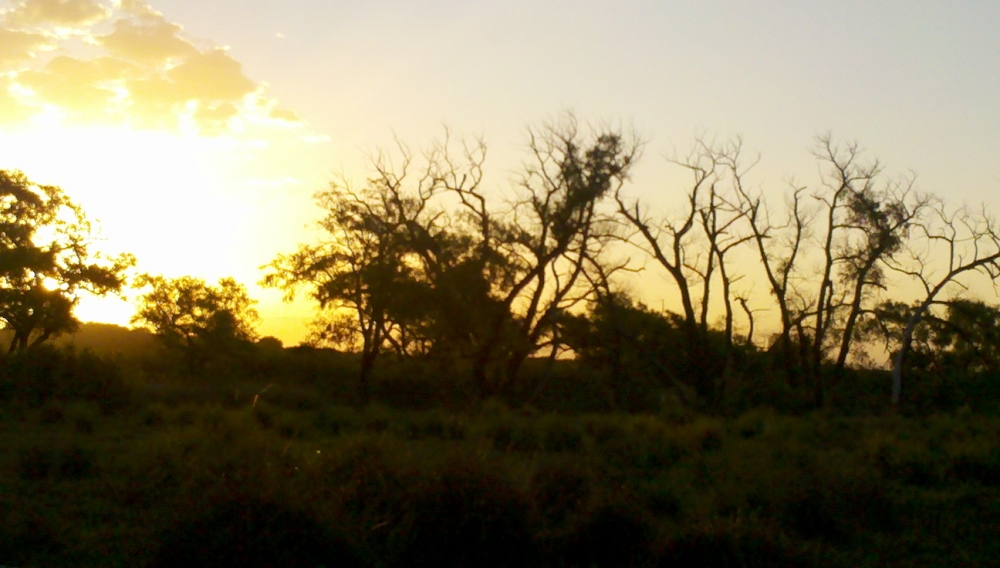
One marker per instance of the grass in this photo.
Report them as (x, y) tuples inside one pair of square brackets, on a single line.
[(290, 479)]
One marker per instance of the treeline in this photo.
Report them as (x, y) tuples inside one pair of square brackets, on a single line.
[(424, 261)]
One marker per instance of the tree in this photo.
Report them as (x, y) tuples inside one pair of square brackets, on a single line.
[(363, 273), (188, 315), (46, 261), (708, 219), (950, 245), (630, 341), (862, 224), (424, 262), (536, 250)]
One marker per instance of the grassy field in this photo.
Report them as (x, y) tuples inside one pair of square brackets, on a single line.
[(181, 476)]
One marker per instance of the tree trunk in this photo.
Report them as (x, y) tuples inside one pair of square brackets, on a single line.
[(364, 376), (900, 358)]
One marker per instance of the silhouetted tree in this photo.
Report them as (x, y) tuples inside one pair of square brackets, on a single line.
[(537, 248), (188, 315), (422, 263), (779, 245), (709, 221), (628, 340), (947, 338), (854, 227), (867, 221), (364, 274), (46, 261), (948, 247)]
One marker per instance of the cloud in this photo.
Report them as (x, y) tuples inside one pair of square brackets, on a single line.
[(81, 88), (214, 76), (137, 7), (12, 110), (61, 13), (149, 40), (17, 46), (284, 115), (133, 66)]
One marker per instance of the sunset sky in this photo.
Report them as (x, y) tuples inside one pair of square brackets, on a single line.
[(197, 132)]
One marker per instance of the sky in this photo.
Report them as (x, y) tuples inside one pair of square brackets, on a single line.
[(196, 133)]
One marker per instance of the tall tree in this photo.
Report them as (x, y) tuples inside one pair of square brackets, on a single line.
[(365, 267), (709, 220), (424, 259), (867, 221), (47, 261), (537, 247)]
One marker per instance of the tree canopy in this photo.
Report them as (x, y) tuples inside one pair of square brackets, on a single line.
[(46, 261), (189, 315)]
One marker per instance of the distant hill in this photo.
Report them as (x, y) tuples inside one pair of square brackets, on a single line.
[(101, 338)]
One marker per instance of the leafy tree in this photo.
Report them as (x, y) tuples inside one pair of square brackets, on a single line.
[(628, 341), (855, 227), (950, 247), (188, 315), (427, 264), (950, 337), (362, 274), (46, 261)]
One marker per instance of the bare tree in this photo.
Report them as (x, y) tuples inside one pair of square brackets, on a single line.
[(779, 246), (708, 217), (949, 246)]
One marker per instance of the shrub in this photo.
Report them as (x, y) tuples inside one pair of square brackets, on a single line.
[(613, 534), (251, 532), (26, 536), (66, 463), (43, 374), (731, 544), (463, 518), (559, 492)]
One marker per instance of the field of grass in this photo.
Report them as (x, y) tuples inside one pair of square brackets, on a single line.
[(284, 477)]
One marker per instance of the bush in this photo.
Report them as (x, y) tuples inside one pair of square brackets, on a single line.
[(44, 374), (250, 532), (616, 534), (559, 493), (730, 544), (463, 518)]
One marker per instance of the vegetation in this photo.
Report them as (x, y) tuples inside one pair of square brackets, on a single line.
[(177, 473), (201, 321), (46, 261), (481, 389)]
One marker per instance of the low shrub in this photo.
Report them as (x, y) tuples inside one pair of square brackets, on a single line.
[(464, 517), (45, 373), (614, 534), (251, 532), (734, 544)]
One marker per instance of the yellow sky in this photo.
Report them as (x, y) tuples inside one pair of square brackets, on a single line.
[(183, 160)]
